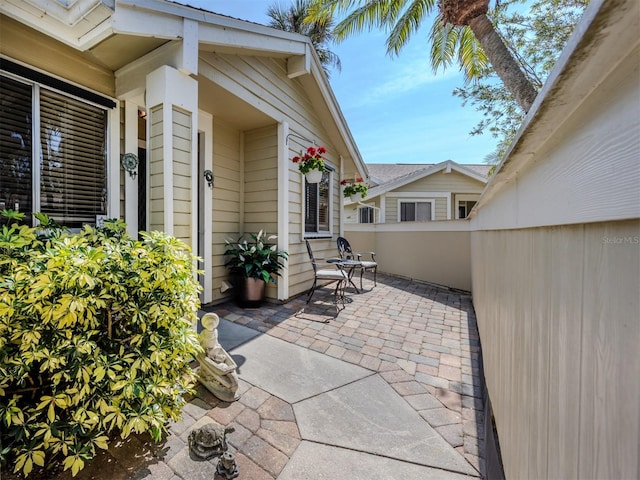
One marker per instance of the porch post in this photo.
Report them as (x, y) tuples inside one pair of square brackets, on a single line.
[(131, 184), (172, 107), (283, 205)]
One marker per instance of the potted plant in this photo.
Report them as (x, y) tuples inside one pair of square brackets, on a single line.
[(311, 164), (357, 190), (254, 262)]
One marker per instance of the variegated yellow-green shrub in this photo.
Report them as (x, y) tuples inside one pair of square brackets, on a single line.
[(95, 339)]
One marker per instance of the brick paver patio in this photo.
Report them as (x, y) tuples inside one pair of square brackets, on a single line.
[(421, 339)]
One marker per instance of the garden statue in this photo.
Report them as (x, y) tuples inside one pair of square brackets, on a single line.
[(227, 466), (209, 441), (217, 371)]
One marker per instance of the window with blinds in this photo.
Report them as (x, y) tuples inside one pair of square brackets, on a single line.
[(317, 213), (71, 138), (15, 145), (415, 211)]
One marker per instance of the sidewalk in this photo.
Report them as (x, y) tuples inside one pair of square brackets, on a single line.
[(387, 389)]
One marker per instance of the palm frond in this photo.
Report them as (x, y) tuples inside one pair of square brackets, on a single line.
[(444, 39), (407, 24), (471, 56)]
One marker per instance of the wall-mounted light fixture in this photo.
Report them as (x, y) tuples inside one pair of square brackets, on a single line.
[(208, 176), (130, 162)]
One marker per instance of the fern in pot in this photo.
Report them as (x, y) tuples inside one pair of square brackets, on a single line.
[(253, 261)]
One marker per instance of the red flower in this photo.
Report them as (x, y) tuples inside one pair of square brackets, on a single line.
[(359, 180), (343, 182), (311, 151), (322, 150), (295, 159)]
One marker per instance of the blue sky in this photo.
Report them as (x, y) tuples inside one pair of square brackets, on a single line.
[(397, 109)]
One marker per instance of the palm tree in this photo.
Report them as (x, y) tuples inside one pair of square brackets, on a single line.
[(320, 32), (461, 29)]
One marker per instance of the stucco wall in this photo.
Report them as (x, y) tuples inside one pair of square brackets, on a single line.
[(435, 252)]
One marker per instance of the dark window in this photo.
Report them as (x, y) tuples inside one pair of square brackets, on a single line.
[(317, 197), (72, 143), (415, 211), (365, 214)]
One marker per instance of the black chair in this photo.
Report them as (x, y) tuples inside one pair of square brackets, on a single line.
[(347, 254), (331, 274)]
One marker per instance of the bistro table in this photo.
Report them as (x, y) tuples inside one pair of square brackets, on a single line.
[(349, 266)]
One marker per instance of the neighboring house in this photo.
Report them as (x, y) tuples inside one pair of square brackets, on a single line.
[(419, 193), (213, 107)]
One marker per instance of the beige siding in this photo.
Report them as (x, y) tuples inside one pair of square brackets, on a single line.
[(226, 197), (558, 310), (263, 83), (556, 266), (156, 176), (43, 52), (444, 182), (182, 207)]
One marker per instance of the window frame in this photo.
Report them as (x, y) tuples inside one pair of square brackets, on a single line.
[(39, 81), (465, 198), (372, 214), (331, 193), (415, 201)]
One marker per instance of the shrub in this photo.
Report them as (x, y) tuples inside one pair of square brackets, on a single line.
[(96, 338)]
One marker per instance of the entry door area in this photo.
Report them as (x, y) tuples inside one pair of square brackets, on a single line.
[(206, 188)]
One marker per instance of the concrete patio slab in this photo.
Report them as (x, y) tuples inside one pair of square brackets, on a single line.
[(369, 416), (313, 461), (231, 335), (291, 372)]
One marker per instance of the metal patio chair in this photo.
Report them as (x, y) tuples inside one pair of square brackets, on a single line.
[(346, 253), (338, 275)]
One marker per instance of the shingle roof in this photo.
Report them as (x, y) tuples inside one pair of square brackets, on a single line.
[(381, 173)]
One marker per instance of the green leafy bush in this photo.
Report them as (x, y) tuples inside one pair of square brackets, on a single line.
[(96, 338)]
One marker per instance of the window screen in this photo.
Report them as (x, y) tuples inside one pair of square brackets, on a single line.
[(317, 198)]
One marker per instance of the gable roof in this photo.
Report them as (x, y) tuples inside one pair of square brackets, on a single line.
[(115, 34), (391, 176)]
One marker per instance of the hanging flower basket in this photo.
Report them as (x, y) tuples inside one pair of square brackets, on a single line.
[(313, 176), (311, 164), (356, 190)]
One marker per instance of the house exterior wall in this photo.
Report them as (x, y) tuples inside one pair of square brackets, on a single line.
[(556, 268), (228, 201), (156, 176), (40, 51), (439, 188), (182, 176)]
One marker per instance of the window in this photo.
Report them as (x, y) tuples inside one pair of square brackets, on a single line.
[(415, 211), (52, 153), (317, 210), (365, 215), (464, 207)]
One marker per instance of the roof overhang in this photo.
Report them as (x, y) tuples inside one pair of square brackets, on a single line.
[(606, 34)]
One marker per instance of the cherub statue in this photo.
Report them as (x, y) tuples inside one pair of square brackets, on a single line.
[(217, 370)]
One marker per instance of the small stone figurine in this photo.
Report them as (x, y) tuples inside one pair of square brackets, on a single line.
[(217, 371), (227, 466), (209, 441)]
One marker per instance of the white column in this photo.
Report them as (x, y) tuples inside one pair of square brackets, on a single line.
[(169, 88), (131, 184), (283, 205)]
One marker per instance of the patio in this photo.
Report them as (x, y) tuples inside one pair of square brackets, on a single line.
[(389, 388)]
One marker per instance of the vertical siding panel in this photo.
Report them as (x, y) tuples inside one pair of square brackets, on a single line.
[(610, 362), (565, 327)]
